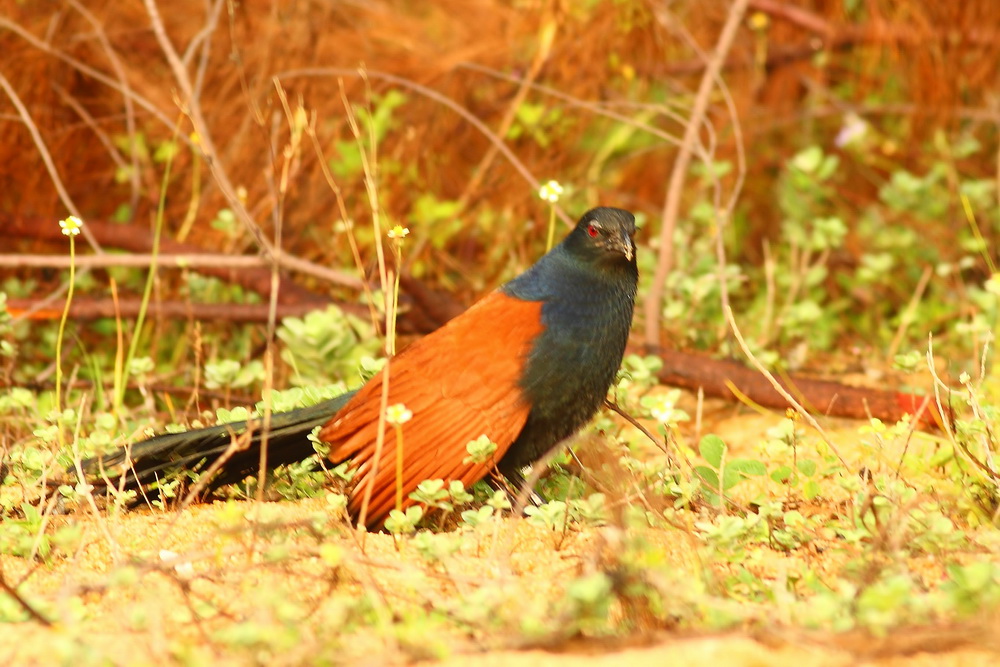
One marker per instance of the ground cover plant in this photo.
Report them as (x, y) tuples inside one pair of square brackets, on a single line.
[(830, 211)]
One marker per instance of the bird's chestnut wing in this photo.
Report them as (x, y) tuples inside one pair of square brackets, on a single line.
[(460, 382)]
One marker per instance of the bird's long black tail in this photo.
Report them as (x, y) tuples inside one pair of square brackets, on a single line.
[(199, 450)]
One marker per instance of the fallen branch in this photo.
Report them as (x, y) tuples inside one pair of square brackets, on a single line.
[(719, 378)]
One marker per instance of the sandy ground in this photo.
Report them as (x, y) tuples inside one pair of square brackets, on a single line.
[(279, 584), (116, 600)]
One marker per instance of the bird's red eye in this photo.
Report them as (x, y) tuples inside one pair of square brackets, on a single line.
[(593, 231)]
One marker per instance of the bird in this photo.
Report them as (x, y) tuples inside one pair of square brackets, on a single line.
[(527, 366)]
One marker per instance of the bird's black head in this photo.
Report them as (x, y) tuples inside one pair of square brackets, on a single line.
[(604, 236)]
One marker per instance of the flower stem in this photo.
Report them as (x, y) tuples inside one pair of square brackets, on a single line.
[(62, 330), (399, 466), (552, 228)]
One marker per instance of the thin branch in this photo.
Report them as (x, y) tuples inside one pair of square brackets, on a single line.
[(723, 213), (91, 122), (202, 40), (836, 35), (671, 205), (191, 106), (14, 260), (546, 38), (599, 108), (779, 388), (87, 70), (83, 309), (119, 68), (195, 260), (909, 313), (50, 166), (434, 95), (24, 604)]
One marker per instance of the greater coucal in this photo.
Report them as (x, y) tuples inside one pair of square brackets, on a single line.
[(527, 366)]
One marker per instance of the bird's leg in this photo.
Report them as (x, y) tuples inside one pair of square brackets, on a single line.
[(526, 485), (514, 485)]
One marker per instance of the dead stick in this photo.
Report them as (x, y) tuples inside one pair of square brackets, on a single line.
[(34, 613)]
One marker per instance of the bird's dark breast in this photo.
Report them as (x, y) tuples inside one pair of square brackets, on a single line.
[(572, 365)]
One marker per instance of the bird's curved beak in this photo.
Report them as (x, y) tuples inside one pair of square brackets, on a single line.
[(625, 245)]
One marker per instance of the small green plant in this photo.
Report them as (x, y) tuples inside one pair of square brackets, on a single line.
[(326, 346), (375, 124), (404, 522), (395, 416), (720, 475), (552, 515), (539, 122), (70, 227), (31, 537), (480, 450)]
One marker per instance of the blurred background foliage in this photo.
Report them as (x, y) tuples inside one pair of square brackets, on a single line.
[(868, 213)]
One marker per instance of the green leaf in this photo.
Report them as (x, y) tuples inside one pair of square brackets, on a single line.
[(944, 455), (712, 449), (808, 160), (166, 151), (708, 476), (348, 161), (827, 167), (781, 474), (807, 467), (739, 469), (748, 467)]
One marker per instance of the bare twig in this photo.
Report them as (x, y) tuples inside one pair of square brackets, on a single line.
[(24, 604), (193, 260), (89, 71), (83, 309), (431, 94), (369, 165), (723, 212), (599, 108), (779, 388), (119, 68), (201, 41), (101, 135), (50, 166), (620, 411), (837, 35), (191, 106), (671, 205), (545, 40), (909, 313)]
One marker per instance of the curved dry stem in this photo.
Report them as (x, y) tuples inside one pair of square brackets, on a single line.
[(50, 166), (779, 388), (445, 101), (598, 108), (119, 68), (671, 204), (91, 72), (191, 106)]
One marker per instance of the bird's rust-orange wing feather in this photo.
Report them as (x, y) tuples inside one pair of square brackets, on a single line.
[(460, 382)]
